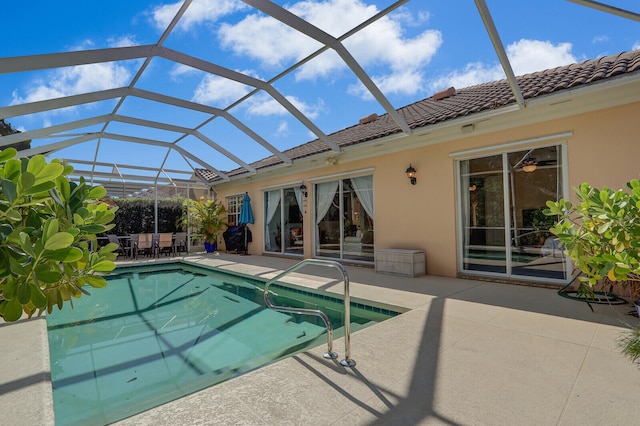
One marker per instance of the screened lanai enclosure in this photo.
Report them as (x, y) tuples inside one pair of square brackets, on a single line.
[(194, 93)]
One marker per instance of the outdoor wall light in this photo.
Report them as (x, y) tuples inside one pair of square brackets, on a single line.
[(303, 189), (529, 165), (411, 174)]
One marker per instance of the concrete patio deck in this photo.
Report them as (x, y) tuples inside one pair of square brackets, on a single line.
[(466, 353)]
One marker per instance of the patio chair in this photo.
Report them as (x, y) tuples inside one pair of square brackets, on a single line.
[(180, 243), (165, 243), (120, 250), (133, 246), (145, 244), (155, 251)]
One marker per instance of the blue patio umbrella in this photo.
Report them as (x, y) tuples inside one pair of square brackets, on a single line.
[(246, 214)]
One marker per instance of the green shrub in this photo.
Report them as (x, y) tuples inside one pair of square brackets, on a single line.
[(136, 215), (47, 225)]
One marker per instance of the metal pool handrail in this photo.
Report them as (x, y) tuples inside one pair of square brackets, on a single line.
[(347, 361)]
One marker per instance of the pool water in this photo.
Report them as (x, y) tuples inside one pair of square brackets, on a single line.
[(152, 336)]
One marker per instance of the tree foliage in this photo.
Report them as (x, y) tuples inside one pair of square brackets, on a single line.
[(7, 129), (136, 215), (47, 224), (601, 233)]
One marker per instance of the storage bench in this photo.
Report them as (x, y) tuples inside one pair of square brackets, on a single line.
[(406, 263)]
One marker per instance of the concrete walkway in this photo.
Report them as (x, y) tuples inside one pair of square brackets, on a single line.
[(465, 353)]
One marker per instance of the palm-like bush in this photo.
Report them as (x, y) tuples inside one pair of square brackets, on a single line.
[(206, 217)]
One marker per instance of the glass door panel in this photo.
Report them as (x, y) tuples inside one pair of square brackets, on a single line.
[(358, 233), (329, 230), (273, 227), (292, 219), (284, 221), (483, 219), (534, 178)]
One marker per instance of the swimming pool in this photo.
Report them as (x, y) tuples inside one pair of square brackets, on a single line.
[(157, 333)]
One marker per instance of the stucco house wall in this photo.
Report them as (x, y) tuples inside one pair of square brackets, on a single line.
[(602, 149)]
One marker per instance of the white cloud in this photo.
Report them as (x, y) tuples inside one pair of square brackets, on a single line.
[(382, 46), (525, 56), (411, 18), (636, 45), (600, 39), (199, 12), (180, 70), (122, 41), (214, 90), (528, 56), (262, 38), (310, 111), (283, 129), (119, 41), (78, 79), (402, 82), (74, 80), (264, 105), (472, 74)]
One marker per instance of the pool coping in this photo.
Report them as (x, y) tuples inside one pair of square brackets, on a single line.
[(420, 367)]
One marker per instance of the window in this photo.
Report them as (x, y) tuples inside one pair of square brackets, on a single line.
[(345, 218), (504, 231), (234, 203)]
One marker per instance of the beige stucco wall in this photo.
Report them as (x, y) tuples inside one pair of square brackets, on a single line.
[(603, 150)]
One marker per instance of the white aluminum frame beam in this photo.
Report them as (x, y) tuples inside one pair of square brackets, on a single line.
[(603, 7), (304, 27), (148, 52), (499, 48), (122, 166), (252, 82), (66, 59)]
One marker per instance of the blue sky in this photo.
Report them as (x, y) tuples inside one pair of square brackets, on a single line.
[(420, 48)]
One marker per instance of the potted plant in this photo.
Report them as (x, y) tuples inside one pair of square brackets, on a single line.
[(601, 234), (207, 218)]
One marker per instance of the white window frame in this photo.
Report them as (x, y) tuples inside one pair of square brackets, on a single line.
[(237, 198)]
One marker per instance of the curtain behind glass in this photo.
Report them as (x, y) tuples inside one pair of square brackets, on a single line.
[(324, 197), (273, 201), (364, 190), (299, 198), (324, 192)]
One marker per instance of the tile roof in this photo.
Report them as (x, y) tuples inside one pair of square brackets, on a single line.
[(454, 103)]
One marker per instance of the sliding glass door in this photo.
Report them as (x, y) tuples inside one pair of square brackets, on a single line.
[(345, 219), (284, 219), (504, 231)]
